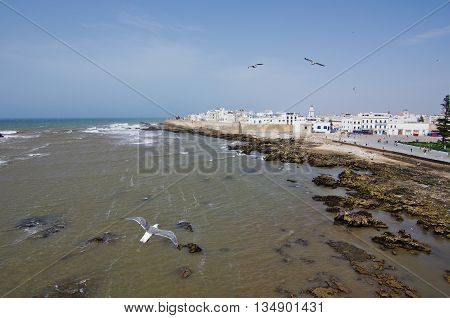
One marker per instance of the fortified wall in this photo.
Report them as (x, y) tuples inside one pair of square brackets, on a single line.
[(270, 130)]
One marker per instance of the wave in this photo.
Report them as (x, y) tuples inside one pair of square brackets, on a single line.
[(8, 132), (128, 134), (38, 154)]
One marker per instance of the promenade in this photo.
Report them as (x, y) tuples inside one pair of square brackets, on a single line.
[(389, 143)]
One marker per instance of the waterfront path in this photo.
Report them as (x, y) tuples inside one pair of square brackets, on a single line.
[(389, 143)]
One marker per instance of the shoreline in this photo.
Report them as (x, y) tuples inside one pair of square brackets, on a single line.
[(393, 184)]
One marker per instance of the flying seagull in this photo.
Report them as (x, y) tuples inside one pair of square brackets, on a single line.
[(313, 62), (153, 230), (255, 66)]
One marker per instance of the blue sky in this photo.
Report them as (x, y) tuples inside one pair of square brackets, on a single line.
[(191, 56)]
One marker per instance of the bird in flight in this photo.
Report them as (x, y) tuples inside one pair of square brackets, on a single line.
[(255, 65), (153, 230), (313, 62)]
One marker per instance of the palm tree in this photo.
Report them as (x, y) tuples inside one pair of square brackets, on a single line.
[(443, 123)]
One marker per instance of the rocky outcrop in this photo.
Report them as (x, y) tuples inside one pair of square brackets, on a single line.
[(185, 272), (105, 238), (192, 247), (42, 226), (358, 219), (401, 240), (326, 181), (68, 289), (394, 189), (368, 265)]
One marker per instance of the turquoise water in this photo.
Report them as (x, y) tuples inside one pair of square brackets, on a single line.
[(66, 123)]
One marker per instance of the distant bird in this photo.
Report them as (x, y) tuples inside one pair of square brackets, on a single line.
[(354, 88), (255, 65), (313, 62), (153, 230)]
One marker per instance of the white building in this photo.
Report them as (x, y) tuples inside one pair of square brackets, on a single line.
[(374, 123), (321, 127), (311, 114)]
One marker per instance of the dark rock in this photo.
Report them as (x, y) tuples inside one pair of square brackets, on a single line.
[(402, 240), (358, 219), (291, 180), (68, 289), (329, 286), (185, 272), (333, 209), (373, 268), (105, 238), (447, 276), (1, 136), (326, 181), (185, 225), (42, 226), (286, 293), (193, 248)]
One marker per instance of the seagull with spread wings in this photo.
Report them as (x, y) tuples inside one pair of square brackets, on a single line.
[(313, 62), (151, 230), (255, 65)]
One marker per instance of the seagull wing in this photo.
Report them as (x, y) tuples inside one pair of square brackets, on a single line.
[(309, 60), (166, 234), (319, 64), (142, 222), (260, 64)]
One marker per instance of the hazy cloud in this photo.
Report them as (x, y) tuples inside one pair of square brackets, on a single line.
[(428, 35)]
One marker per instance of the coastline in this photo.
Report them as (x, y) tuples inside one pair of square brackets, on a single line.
[(373, 182)]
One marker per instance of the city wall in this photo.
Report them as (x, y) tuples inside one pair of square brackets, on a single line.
[(273, 130)]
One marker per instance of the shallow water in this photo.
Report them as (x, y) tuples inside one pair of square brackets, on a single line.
[(241, 213)]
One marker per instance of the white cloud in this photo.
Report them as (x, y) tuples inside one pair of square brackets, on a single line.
[(428, 35)]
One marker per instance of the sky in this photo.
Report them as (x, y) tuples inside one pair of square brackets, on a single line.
[(165, 58)]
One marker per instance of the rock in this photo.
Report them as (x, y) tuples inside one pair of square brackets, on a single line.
[(1, 136), (193, 248), (326, 181), (350, 252), (333, 209), (402, 240), (105, 238), (291, 180), (286, 293), (447, 276), (323, 292), (185, 225), (373, 268), (42, 226), (185, 272), (68, 289), (358, 219), (329, 287)]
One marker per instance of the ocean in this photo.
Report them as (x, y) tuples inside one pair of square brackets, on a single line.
[(261, 235)]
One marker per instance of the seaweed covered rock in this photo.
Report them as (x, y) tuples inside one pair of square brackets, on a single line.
[(402, 240), (185, 272), (368, 265), (326, 181), (42, 226), (68, 289), (105, 238), (192, 247), (358, 219)]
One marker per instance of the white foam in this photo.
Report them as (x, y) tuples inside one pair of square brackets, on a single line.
[(8, 132), (38, 154), (128, 134), (3, 162)]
